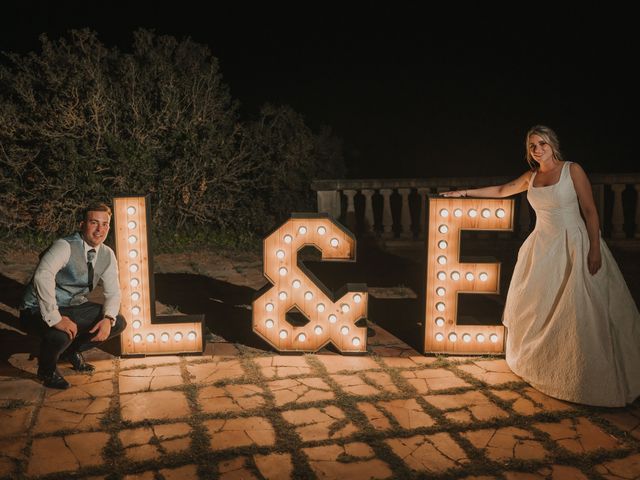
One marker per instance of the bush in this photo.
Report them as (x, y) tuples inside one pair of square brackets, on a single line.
[(81, 122)]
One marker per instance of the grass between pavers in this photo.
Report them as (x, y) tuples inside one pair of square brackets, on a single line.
[(288, 441)]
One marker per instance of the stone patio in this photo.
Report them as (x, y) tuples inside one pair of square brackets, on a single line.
[(242, 413)]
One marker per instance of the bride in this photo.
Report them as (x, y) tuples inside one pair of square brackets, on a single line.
[(573, 329)]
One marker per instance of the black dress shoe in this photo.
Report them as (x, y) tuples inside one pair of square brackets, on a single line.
[(53, 379), (77, 362)]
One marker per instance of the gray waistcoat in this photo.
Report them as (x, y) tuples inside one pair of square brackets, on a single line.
[(71, 280)]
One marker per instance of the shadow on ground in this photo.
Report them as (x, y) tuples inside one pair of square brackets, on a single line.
[(227, 307)]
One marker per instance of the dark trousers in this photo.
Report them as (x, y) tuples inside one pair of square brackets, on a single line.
[(55, 342)]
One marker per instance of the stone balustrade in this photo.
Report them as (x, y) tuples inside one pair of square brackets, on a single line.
[(394, 209)]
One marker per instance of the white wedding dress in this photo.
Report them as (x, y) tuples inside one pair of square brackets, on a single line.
[(570, 334)]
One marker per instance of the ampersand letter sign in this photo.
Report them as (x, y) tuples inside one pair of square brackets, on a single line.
[(298, 313), (145, 334), (446, 276)]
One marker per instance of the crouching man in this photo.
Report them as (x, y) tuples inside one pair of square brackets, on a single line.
[(55, 305)]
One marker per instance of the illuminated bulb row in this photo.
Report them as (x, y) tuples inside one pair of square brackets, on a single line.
[(302, 337), (269, 307), (334, 242), (472, 212), (483, 276), (164, 337), (453, 337), (134, 282)]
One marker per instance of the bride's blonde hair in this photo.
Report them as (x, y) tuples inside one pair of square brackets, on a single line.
[(548, 136)]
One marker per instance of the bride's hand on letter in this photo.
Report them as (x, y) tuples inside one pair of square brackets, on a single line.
[(594, 261), (454, 193)]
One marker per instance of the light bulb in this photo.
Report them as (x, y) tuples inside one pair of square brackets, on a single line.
[(345, 308), (469, 276), (483, 276), (320, 307), (280, 254), (357, 298), (455, 276), (151, 338), (302, 337), (269, 323), (440, 291), (318, 330), (287, 238), (133, 239), (133, 253), (283, 334), (135, 296), (133, 268), (333, 318), (191, 335), (457, 212), (443, 229), (137, 324), (302, 230), (135, 310), (355, 342), (296, 284), (440, 321), (486, 213), (453, 337), (442, 260), (442, 276), (321, 230), (137, 338), (269, 307), (439, 337), (308, 295), (283, 271), (177, 337), (466, 338), (132, 225), (444, 212), (164, 337), (440, 306), (480, 338), (493, 337), (473, 213), (442, 244), (282, 295), (131, 210), (134, 282), (334, 242), (500, 213), (344, 330)]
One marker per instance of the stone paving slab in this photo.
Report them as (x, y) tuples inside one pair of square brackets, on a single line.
[(326, 462), (250, 414)]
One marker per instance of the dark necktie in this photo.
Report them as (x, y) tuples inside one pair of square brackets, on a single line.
[(91, 255)]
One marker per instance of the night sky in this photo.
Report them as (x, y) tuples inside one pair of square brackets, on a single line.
[(411, 94)]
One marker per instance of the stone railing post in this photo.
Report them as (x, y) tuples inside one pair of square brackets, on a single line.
[(369, 226), (405, 214), (617, 217), (329, 202), (423, 192), (387, 218), (350, 218)]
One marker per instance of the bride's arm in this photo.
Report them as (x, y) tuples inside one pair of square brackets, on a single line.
[(518, 185), (588, 206)]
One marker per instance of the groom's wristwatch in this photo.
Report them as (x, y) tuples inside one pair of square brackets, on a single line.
[(111, 319)]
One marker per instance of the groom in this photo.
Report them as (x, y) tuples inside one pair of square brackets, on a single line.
[(55, 306)]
